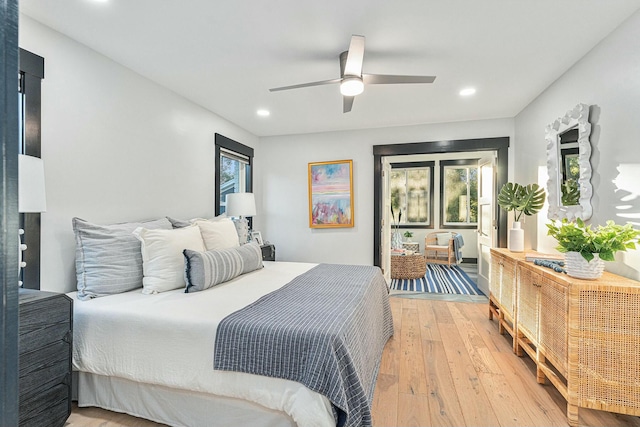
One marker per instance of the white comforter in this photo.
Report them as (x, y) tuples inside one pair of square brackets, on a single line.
[(168, 339)]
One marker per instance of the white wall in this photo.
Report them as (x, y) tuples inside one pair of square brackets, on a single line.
[(284, 219), (116, 146), (608, 78)]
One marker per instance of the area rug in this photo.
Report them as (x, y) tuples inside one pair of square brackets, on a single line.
[(440, 279)]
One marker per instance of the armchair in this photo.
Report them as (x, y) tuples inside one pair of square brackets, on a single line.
[(441, 248)]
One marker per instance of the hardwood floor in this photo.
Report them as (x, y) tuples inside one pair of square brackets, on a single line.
[(446, 365)]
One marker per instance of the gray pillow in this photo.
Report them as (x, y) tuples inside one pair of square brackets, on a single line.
[(204, 270), (108, 257)]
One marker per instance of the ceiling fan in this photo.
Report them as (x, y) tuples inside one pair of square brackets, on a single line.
[(352, 79)]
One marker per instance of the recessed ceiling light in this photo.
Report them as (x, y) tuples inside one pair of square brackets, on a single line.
[(263, 113), (468, 91)]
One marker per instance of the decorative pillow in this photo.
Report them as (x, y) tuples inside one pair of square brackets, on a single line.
[(218, 234), (162, 261), (204, 270), (108, 257), (443, 239)]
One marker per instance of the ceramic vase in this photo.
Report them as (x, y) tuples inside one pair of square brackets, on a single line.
[(578, 267), (516, 237)]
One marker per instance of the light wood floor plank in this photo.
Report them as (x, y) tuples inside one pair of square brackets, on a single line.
[(411, 373), (444, 407), (459, 351), (476, 407)]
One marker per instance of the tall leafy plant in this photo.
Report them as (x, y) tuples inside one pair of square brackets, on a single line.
[(527, 200)]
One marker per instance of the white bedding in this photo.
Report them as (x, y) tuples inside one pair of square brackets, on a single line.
[(168, 339)]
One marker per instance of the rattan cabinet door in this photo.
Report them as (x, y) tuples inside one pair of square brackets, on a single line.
[(496, 271), (529, 303), (554, 327), (508, 287)]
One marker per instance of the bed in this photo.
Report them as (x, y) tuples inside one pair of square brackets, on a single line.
[(152, 356)]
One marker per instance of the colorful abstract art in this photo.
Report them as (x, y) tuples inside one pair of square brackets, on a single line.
[(331, 194)]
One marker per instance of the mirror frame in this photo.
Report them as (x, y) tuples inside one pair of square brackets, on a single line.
[(578, 117)]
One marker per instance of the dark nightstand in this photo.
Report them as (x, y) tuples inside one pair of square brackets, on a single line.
[(268, 252), (44, 346)]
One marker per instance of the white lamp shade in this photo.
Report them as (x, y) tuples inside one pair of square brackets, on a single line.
[(31, 195), (241, 204)]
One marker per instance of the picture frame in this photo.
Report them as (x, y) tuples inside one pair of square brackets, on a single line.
[(331, 194), (256, 236)]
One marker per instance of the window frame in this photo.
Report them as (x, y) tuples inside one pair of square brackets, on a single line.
[(429, 165), (222, 144), (443, 165)]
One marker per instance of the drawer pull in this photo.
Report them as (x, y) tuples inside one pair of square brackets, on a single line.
[(67, 337)]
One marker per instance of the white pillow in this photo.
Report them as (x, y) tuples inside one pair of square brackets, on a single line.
[(443, 239), (218, 233), (162, 258)]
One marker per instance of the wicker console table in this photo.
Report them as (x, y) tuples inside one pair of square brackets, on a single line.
[(408, 266), (583, 335)]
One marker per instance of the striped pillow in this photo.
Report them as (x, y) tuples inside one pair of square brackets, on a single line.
[(204, 270), (108, 257)]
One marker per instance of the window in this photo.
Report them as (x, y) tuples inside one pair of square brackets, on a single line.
[(233, 170), (411, 188), (459, 193)]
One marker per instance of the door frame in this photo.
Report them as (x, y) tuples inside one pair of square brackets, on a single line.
[(499, 144)]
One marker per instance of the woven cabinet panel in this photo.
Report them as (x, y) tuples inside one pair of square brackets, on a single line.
[(554, 326), (608, 349), (529, 303), (508, 286), (496, 270)]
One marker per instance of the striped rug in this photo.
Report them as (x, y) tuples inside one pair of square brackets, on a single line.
[(440, 279)]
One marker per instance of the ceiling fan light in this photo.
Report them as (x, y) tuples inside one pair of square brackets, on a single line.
[(351, 86)]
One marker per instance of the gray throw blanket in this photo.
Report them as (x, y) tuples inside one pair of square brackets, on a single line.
[(325, 329)]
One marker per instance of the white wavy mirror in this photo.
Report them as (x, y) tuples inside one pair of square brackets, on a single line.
[(568, 150)]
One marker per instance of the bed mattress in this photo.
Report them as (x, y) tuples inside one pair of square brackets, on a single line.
[(168, 340)]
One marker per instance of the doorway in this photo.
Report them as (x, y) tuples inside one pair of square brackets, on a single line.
[(498, 219)]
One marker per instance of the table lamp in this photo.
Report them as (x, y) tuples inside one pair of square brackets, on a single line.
[(241, 205), (31, 195)]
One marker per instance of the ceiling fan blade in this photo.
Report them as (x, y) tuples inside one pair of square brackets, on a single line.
[(323, 82), (383, 79), (353, 66), (347, 103)]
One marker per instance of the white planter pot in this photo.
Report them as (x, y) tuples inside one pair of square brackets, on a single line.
[(516, 238), (578, 267), (396, 240)]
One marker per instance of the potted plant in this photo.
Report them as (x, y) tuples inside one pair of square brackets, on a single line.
[(586, 248), (408, 234), (523, 200)]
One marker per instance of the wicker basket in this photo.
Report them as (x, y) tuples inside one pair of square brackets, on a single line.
[(408, 266)]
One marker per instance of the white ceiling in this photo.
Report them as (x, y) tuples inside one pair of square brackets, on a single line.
[(225, 54)]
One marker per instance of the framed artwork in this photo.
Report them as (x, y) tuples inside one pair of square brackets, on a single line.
[(331, 194), (256, 236)]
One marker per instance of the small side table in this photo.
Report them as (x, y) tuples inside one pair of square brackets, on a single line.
[(268, 252), (411, 246)]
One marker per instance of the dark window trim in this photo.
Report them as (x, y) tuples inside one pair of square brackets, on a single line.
[(499, 144), (9, 214), (454, 162), (425, 164), (32, 73), (231, 145)]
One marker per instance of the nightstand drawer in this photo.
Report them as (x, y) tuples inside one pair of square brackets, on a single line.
[(43, 323), (34, 414), (45, 336), (44, 368)]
